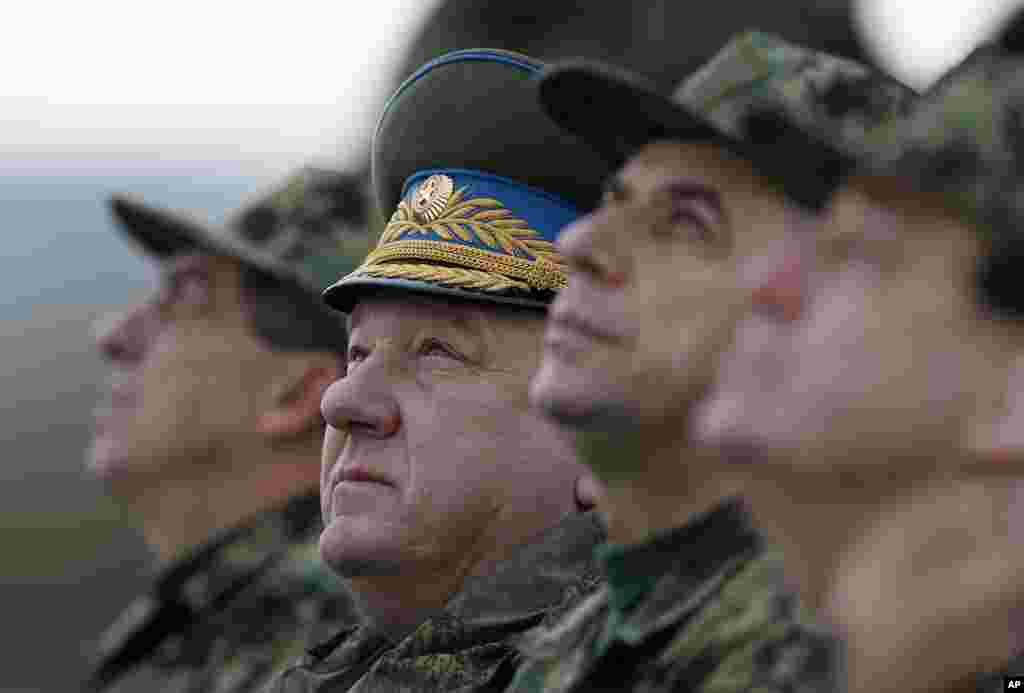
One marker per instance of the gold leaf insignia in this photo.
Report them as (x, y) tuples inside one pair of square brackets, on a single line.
[(498, 252), (431, 198), (483, 219)]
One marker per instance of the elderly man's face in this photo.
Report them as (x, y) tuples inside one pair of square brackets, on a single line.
[(431, 443), (653, 294), (866, 345)]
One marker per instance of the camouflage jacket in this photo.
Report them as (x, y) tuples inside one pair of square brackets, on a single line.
[(703, 611), (470, 644), (231, 613)]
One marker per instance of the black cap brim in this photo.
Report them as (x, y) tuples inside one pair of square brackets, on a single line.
[(161, 233), (617, 113)]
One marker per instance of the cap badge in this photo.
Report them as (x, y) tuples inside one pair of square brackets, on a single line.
[(431, 198)]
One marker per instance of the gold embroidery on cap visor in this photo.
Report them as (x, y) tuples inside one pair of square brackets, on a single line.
[(507, 255)]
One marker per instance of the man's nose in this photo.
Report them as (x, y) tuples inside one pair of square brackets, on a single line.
[(363, 402), (589, 246), (120, 337)]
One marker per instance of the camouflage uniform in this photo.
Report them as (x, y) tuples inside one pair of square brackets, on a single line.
[(469, 645), (253, 599), (698, 608), (230, 613), (964, 141), (703, 607), (477, 183)]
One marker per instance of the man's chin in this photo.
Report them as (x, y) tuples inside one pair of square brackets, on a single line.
[(105, 460), (352, 553), (574, 405)]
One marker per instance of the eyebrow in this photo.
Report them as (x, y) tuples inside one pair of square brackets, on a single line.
[(689, 188), (676, 187)]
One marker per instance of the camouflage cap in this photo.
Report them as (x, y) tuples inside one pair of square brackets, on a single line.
[(758, 96), (964, 140), (308, 229)]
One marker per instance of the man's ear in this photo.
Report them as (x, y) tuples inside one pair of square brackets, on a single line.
[(296, 404)]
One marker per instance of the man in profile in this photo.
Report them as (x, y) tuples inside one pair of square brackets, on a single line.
[(695, 599), (449, 502), (875, 390), (210, 432)]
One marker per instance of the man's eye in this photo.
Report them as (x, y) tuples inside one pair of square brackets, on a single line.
[(435, 347), (190, 288), (356, 355), (695, 228)]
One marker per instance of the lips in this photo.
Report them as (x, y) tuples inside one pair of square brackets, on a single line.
[(568, 335), (116, 403), (362, 475)]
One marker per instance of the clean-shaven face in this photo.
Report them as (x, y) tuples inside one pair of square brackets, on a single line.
[(187, 367), (653, 294), (431, 443), (866, 344)]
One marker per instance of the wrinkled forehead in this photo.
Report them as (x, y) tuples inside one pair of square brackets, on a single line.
[(403, 311)]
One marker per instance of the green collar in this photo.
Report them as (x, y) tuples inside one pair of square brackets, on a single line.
[(672, 563)]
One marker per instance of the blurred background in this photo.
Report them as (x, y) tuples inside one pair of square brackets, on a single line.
[(197, 105)]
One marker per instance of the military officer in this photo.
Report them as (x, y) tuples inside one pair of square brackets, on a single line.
[(449, 502), (894, 342), (694, 599), (210, 433)]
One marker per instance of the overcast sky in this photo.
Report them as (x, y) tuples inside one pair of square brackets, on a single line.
[(269, 85), (261, 82)]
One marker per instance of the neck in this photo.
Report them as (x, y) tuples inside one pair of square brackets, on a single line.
[(667, 479), (894, 605), (178, 515), (817, 517), (389, 605), (397, 603)]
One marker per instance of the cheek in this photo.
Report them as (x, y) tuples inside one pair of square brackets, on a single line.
[(171, 385), (333, 444), (203, 380), (461, 441), (689, 333)]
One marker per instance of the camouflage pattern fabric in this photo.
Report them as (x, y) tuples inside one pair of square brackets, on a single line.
[(769, 101), (770, 95), (229, 615), (310, 228), (965, 140), (470, 645), (716, 620), (757, 72)]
